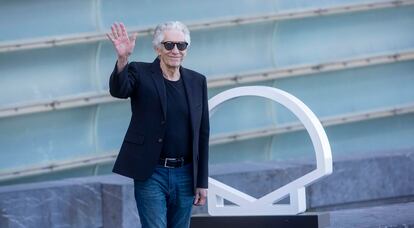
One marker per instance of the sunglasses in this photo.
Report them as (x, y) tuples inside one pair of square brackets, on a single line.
[(168, 45)]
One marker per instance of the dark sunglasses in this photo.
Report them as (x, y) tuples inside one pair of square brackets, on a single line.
[(168, 45)]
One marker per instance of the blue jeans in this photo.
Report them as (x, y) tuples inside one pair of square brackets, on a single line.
[(166, 198)]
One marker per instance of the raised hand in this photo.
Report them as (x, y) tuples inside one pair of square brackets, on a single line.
[(123, 44)]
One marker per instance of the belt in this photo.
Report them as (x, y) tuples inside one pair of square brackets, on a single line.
[(173, 162)]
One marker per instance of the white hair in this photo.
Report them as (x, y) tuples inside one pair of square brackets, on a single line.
[(174, 25)]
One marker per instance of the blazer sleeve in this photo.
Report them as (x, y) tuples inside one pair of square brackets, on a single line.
[(122, 84), (202, 176)]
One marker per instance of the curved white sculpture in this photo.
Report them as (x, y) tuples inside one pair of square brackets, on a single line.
[(248, 205)]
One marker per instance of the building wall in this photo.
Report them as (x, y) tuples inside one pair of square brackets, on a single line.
[(54, 51)]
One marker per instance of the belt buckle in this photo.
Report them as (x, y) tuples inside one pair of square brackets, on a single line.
[(173, 159), (165, 162)]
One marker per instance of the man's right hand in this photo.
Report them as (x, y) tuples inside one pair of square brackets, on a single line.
[(123, 44)]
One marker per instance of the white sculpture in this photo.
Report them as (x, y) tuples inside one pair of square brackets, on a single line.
[(248, 205)]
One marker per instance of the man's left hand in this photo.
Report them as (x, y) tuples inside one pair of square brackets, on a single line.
[(200, 196)]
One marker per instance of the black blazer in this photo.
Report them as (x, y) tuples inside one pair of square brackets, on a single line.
[(141, 148)]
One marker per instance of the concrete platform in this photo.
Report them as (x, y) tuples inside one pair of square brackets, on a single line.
[(362, 192), (392, 216)]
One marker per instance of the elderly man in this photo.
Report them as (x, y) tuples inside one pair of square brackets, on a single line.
[(165, 149)]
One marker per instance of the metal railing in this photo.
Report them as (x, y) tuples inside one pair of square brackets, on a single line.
[(224, 80), (53, 41), (214, 140), (326, 121)]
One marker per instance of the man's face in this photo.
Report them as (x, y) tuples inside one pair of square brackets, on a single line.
[(174, 57)]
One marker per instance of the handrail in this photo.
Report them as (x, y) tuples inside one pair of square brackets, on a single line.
[(59, 40), (225, 80), (215, 140)]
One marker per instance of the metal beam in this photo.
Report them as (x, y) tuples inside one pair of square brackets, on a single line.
[(63, 103), (326, 121), (58, 166), (225, 80), (228, 80), (215, 140), (53, 41)]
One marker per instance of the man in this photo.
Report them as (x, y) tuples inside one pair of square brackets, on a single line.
[(165, 149)]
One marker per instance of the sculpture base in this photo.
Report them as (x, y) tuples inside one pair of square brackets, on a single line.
[(285, 221)]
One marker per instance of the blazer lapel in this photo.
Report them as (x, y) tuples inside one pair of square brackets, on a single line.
[(189, 89), (159, 83)]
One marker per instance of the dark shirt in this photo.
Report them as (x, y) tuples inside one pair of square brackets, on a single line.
[(177, 139)]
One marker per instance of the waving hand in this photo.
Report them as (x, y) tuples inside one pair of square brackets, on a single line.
[(124, 45)]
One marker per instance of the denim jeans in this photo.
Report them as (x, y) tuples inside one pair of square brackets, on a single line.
[(166, 198)]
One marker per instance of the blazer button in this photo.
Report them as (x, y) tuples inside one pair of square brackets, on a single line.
[(160, 140)]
